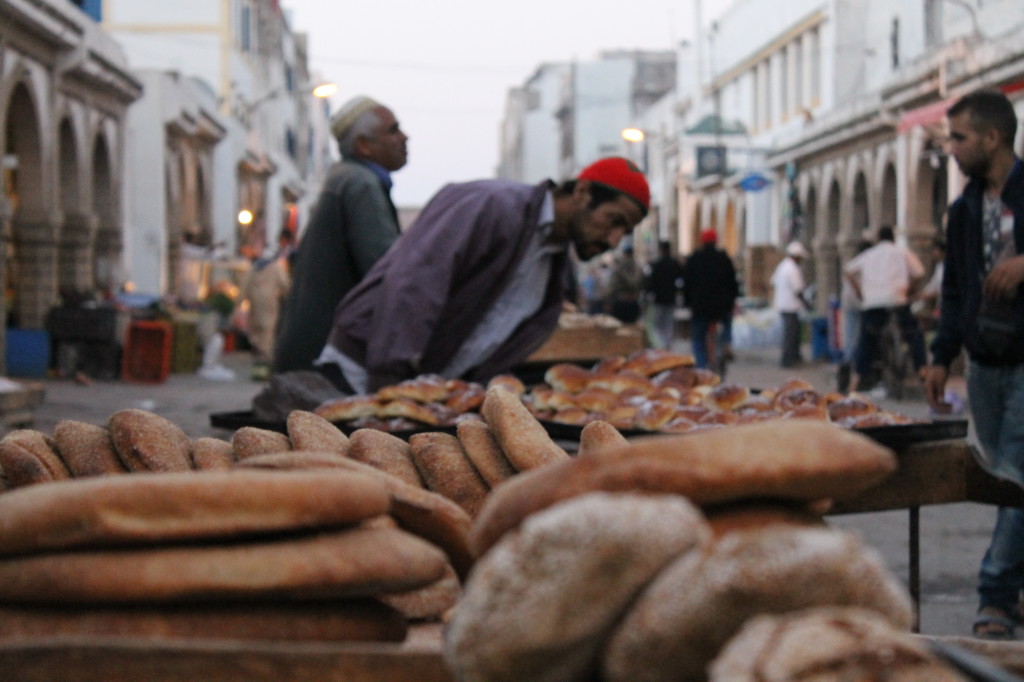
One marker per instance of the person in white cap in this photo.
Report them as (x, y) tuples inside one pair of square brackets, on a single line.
[(353, 224), (788, 282)]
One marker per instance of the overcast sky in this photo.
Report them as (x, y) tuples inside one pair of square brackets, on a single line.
[(444, 67)]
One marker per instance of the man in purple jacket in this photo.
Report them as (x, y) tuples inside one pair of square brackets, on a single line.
[(475, 284)]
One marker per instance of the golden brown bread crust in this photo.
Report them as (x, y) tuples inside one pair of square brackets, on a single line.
[(565, 376), (383, 451), (678, 624), (850, 406), (755, 514), (431, 516), (145, 441), (573, 415), (465, 398), (251, 441), (28, 457), (651, 415), (426, 388), (827, 644), (651, 361), (788, 459), (523, 440), (409, 409), (146, 508), (355, 562), (310, 431), (726, 396), (86, 449), (509, 382), (597, 435), (484, 452), (348, 408), (212, 454), (446, 469), (354, 620)]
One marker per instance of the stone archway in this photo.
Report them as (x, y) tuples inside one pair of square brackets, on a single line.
[(861, 208), (74, 276), (30, 256), (887, 206)]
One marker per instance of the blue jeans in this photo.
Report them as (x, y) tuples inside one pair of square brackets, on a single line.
[(996, 396), (872, 322), (699, 325)]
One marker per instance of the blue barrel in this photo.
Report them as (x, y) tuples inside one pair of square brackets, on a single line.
[(819, 339), (28, 353)]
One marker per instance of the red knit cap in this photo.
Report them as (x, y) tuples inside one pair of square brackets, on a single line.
[(621, 174), (708, 236)]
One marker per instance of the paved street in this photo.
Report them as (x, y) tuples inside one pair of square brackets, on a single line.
[(953, 537)]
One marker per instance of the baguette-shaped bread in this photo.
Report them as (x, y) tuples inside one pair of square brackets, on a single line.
[(86, 449), (484, 452), (28, 457), (427, 603), (309, 431), (446, 469), (329, 621), (145, 508), (355, 562), (429, 515), (385, 452), (800, 460), (522, 438), (145, 441), (598, 435)]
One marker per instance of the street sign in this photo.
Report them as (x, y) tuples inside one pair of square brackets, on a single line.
[(754, 182)]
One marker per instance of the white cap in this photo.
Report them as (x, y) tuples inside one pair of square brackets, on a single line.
[(349, 112), (796, 250)]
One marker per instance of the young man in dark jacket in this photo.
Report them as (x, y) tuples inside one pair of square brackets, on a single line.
[(983, 311)]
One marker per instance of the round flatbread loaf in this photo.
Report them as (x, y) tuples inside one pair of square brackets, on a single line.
[(212, 454), (357, 562), (676, 627), (28, 457), (329, 621), (251, 441), (144, 508), (86, 449), (430, 602), (431, 516), (145, 441), (309, 431), (799, 460), (540, 603), (828, 644)]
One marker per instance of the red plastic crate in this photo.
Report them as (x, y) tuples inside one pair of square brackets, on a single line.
[(147, 351)]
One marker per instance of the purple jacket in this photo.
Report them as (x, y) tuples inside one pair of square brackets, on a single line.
[(420, 301)]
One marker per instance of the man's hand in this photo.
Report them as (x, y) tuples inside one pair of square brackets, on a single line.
[(1004, 279), (935, 388)]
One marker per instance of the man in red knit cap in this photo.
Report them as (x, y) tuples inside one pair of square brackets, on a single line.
[(476, 283)]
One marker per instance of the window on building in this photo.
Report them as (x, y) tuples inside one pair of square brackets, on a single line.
[(94, 8), (932, 22), (784, 66), (798, 73), (768, 99)]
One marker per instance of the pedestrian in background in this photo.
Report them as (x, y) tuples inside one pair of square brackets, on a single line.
[(983, 311), (265, 288), (353, 224), (882, 278), (849, 306), (788, 283), (710, 288), (625, 286), (664, 284)]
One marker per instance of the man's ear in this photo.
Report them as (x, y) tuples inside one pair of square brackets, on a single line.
[(581, 191)]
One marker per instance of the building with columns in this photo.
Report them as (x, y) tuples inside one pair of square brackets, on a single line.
[(65, 90)]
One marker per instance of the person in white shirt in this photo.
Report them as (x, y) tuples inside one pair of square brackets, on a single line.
[(882, 278), (788, 283)]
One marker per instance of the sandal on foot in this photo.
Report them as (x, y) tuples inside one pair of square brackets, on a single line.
[(994, 627)]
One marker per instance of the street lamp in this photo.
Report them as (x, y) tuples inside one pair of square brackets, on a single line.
[(633, 134), (318, 90)]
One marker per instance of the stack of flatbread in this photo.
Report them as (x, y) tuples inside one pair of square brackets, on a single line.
[(641, 561)]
